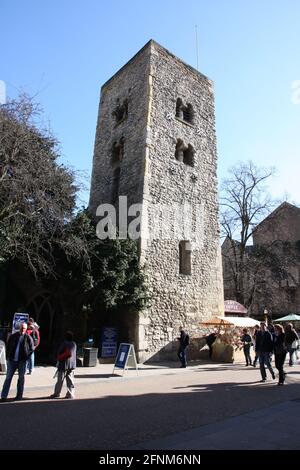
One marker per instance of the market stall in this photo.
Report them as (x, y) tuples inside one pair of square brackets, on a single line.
[(227, 346)]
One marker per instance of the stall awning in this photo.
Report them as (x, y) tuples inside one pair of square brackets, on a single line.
[(291, 317), (243, 322), (231, 306), (216, 321)]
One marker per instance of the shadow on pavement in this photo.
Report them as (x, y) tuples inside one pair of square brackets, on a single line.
[(122, 420), (93, 376)]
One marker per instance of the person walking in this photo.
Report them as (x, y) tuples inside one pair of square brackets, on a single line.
[(184, 340), (291, 342), (247, 342), (279, 351), (33, 331), (264, 347), (19, 348), (210, 339), (65, 366)]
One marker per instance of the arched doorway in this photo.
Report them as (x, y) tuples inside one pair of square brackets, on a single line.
[(45, 311)]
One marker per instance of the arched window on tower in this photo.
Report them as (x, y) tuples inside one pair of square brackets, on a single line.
[(188, 114), (188, 158), (184, 154), (179, 152), (185, 257), (185, 113), (179, 108), (121, 111)]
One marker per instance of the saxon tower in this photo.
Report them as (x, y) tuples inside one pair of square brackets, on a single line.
[(156, 144)]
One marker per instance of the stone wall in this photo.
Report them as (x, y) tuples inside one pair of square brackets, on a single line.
[(129, 83), (179, 299)]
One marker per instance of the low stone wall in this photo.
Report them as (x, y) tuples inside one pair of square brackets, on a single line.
[(226, 353)]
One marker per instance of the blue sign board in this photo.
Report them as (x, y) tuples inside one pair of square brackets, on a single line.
[(123, 352), (19, 318), (109, 342)]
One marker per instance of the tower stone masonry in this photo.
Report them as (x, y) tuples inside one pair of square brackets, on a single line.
[(156, 144)]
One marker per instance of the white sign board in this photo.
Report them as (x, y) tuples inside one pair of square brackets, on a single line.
[(19, 318), (125, 357), (3, 357)]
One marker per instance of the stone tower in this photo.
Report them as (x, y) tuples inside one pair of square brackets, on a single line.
[(156, 144)]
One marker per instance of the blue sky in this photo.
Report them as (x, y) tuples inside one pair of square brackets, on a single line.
[(63, 51)]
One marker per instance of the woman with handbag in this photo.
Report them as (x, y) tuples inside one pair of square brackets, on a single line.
[(291, 342)]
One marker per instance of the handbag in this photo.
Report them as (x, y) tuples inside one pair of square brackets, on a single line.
[(294, 344), (65, 355)]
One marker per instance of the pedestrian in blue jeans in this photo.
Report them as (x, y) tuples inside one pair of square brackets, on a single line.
[(264, 347), (33, 331), (19, 347)]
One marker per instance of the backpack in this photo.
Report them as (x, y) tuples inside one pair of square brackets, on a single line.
[(187, 340)]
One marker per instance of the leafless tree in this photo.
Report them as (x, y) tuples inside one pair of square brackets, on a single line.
[(244, 203)]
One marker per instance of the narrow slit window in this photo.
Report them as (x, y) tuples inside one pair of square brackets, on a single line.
[(117, 152), (116, 184), (185, 257)]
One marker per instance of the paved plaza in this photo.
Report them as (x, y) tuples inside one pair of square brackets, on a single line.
[(206, 406)]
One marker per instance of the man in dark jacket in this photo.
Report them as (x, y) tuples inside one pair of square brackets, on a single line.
[(264, 346), (210, 339), (247, 342), (184, 340), (280, 351), (19, 348), (65, 366)]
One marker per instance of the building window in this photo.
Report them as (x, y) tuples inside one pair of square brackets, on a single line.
[(184, 154), (179, 108), (116, 159), (115, 184), (117, 152), (121, 111), (185, 257), (186, 113)]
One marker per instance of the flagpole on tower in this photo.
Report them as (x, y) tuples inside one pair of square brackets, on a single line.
[(197, 54)]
